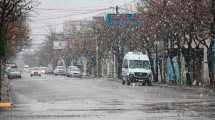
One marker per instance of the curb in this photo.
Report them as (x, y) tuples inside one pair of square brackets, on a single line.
[(6, 105), (197, 89)]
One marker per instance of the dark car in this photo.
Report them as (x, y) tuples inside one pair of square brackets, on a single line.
[(14, 74)]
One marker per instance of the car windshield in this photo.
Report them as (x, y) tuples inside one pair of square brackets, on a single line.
[(74, 69), (13, 70), (60, 67), (35, 68), (139, 64), (43, 68)]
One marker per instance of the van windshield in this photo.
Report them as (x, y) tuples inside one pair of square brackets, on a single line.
[(139, 64)]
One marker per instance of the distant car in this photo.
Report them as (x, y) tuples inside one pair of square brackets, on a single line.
[(73, 71), (26, 68), (14, 73), (7, 69), (43, 70), (12, 65), (49, 71), (35, 72), (60, 70)]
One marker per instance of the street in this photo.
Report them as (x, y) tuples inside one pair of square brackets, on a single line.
[(60, 98)]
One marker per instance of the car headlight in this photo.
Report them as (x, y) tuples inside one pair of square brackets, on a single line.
[(131, 75)]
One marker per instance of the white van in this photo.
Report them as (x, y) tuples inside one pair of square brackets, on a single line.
[(136, 68)]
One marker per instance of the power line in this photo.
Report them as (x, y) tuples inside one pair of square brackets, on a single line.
[(58, 9), (87, 12)]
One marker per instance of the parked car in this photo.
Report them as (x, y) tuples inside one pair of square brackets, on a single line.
[(14, 73), (60, 70), (43, 70), (35, 72), (11, 65), (73, 71), (26, 68), (136, 68)]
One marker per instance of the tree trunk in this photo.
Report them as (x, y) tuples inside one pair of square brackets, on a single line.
[(188, 74), (151, 62), (161, 70), (119, 66), (2, 55), (173, 68), (1, 79), (211, 66), (179, 66)]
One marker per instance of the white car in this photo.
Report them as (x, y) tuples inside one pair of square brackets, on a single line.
[(43, 70), (73, 71), (35, 72), (26, 68)]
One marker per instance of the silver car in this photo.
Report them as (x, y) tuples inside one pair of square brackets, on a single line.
[(13, 74), (60, 70), (73, 71)]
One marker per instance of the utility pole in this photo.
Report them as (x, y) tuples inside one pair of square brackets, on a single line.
[(97, 57), (211, 52), (117, 9), (115, 65)]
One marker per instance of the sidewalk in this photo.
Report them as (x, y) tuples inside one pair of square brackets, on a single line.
[(191, 88), (209, 91), (6, 91), (6, 94)]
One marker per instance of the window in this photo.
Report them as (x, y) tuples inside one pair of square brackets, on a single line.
[(139, 64)]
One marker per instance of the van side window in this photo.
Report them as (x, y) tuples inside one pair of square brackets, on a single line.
[(125, 64)]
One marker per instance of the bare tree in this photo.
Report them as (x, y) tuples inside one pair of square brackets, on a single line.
[(180, 25), (10, 12)]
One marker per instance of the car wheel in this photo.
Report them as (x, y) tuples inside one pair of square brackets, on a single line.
[(123, 82)]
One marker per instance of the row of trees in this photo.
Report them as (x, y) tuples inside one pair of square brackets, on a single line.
[(174, 28), (182, 25), (179, 28)]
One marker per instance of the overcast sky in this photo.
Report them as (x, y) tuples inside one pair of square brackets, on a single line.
[(52, 13)]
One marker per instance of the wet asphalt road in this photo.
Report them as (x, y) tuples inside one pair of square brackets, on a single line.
[(60, 98)]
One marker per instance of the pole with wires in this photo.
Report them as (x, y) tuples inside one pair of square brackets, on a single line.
[(211, 51)]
